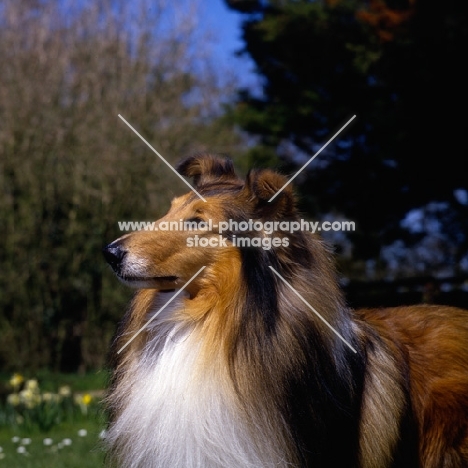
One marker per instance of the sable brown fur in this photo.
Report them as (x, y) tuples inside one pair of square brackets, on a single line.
[(238, 371)]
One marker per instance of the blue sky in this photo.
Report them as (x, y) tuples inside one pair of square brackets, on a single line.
[(226, 23), (226, 27)]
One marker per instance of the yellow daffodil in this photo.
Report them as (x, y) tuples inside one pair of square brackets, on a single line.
[(83, 401), (16, 380), (29, 398), (13, 399), (64, 391), (32, 385)]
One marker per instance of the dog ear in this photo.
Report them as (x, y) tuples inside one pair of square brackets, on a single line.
[(261, 186), (206, 168)]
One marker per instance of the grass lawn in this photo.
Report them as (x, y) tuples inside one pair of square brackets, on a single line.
[(82, 452)]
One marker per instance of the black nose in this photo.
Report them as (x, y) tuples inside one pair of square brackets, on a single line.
[(114, 255)]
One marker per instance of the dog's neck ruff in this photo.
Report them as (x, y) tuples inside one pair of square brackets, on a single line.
[(177, 414)]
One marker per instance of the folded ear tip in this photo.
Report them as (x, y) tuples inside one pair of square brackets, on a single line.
[(181, 166), (204, 166), (263, 185), (191, 165), (268, 183)]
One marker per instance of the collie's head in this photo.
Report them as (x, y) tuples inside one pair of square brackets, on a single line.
[(201, 231)]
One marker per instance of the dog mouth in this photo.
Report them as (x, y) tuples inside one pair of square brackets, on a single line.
[(148, 279)]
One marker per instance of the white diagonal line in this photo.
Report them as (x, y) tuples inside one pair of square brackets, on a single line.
[(170, 167), (312, 158), (161, 309), (312, 309)]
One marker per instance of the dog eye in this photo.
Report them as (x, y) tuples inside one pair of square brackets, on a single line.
[(195, 220)]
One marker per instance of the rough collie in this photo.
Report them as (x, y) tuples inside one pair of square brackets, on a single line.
[(258, 362)]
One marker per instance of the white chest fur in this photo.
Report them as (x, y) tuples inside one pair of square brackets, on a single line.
[(178, 416)]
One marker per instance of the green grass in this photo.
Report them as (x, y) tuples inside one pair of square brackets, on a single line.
[(84, 452)]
